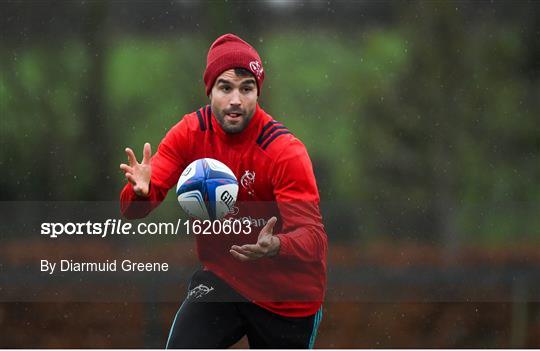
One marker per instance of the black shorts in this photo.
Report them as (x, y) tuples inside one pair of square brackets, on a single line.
[(213, 315)]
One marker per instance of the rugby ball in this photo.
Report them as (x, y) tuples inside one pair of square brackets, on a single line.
[(207, 189)]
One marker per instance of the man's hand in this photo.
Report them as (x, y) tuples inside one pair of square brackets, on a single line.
[(138, 174), (267, 245)]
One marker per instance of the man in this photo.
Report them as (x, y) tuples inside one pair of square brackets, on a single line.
[(269, 287)]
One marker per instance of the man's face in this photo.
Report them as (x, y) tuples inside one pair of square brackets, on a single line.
[(233, 100)]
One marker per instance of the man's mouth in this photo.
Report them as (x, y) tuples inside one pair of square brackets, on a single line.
[(234, 115)]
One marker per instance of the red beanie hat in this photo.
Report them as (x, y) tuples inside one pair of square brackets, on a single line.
[(229, 51)]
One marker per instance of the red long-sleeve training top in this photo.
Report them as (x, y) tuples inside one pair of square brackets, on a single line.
[(275, 178)]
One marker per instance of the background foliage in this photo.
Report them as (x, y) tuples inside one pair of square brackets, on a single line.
[(422, 119), (424, 115)]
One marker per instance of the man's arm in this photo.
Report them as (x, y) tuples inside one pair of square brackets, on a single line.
[(303, 237), (144, 193)]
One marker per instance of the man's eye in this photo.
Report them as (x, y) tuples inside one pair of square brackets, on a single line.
[(226, 88), (247, 89)]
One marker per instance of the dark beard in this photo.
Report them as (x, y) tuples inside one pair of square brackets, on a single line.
[(233, 128)]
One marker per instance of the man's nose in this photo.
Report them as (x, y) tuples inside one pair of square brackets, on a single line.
[(235, 98)]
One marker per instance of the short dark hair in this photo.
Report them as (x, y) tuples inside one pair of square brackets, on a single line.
[(242, 72)]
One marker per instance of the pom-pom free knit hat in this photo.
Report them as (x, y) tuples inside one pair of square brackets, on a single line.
[(229, 51)]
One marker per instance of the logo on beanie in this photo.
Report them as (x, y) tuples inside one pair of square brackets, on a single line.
[(256, 68)]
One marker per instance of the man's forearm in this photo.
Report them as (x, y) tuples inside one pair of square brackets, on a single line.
[(133, 206)]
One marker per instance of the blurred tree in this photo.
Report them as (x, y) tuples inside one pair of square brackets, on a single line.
[(444, 140), (96, 131), (421, 118)]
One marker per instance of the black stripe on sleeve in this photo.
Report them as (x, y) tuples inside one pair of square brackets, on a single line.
[(266, 126), (209, 117), (201, 120), (274, 137), (270, 133)]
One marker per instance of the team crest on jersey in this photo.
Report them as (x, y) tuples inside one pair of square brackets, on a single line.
[(247, 181), (256, 68), (234, 210)]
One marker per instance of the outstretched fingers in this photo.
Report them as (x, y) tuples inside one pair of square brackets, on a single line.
[(253, 251), (126, 168), (131, 178), (268, 228), (131, 157), (239, 256), (147, 153)]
